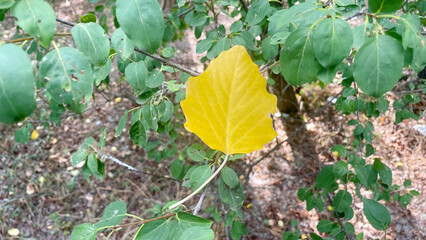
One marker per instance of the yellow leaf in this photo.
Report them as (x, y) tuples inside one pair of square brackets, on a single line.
[(34, 135), (117, 100), (228, 106), (13, 232)]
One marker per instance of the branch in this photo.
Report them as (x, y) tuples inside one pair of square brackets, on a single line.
[(31, 38), (169, 63), (202, 186), (156, 57), (65, 22), (359, 13), (244, 4)]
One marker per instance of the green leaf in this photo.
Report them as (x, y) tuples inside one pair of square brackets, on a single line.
[(92, 163), (37, 18), (199, 176), (204, 45), (142, 21), (17, 84), (340, 149), (85, 231), (369, 150), (326, 75), (315, 236), (342, 200), (168, 111), (371, 65), (325, 177), (155, 79), (136, 73), (168, 52), (113, 214), (332, 41), (78, 157), (121, 123), (411, 34), (236, 26), (407, 183), (238, 229), (138, 134), (196, 152), (340, 168), (414, 193), (229, 177), (102, 72), (384, 6), (122, 45), (419, 56), (197, 233), (195, 19), (281, 19), (268, 50), (221, 45), (70, 77), (257, 12), (92, 41), (177, 169), (23, 134), (150, 116), (298, 63), (377, 214), (384, 171), (367, 175), (360, 34), (324, 225), (155, 230), (5, 4), (233, 197), (349, 227), (90, 17)]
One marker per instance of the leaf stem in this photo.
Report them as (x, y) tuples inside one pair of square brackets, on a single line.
[(202, 186)]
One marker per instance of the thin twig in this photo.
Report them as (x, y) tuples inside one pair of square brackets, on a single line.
[(265, 66), (65, 22), (167, 62), (244, 4), (359, 13), (31, 38), (269, 67)]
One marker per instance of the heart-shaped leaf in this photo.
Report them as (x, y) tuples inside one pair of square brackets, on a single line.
[(228, 106)]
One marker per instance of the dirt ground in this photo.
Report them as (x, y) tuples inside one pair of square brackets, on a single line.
[(44, 197)]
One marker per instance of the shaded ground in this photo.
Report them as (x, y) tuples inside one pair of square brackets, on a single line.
[(44, 197)]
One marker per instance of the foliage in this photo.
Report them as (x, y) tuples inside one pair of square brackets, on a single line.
[(227, 106)]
